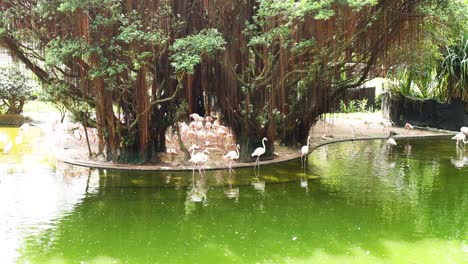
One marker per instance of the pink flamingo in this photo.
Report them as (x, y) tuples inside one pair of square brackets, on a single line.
[(196, 117), (408, 126), (232, 155)]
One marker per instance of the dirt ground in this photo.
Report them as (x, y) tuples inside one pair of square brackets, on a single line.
[(72, 148)]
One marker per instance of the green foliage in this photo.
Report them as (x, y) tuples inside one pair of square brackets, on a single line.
[(60, 50), (354, 106), (343, 107), (417, 77), (413, 82), (15, 89), (188, 52), (378, 102), (13, 119), (453, 71), (362, 105), (181, 111), (402, 81)]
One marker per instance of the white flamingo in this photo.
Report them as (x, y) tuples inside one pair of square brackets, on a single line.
[(385, 124), (460, 138), (232, 155), (196, 117), (24, 127), (367, 124), (7, 147), (4, 138), (19, 139), (464, 130), (198, 159), (304, 151), (391, 142), (258, 152)]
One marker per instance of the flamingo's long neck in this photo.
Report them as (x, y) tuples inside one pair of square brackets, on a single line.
[(237, 151), (263, 143), (308, 141)]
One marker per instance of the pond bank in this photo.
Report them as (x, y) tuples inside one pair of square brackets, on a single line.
[(326, 131)]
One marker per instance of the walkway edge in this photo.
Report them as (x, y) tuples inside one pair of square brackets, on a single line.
[(313, 146)]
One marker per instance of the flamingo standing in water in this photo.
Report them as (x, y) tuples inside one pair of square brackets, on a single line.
[(258, 152), (460, 138), (7, 147), (198, 159), (391, 142), (19, 139), (232, 155), (304, 151), (24, 127), (464, 130)]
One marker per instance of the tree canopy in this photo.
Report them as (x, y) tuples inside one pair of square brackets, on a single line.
[(269, 67)]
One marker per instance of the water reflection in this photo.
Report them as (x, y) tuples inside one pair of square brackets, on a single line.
[(198, 193), (231, 193), (356, 207), (33, 201), (259, 185), (460, 160)]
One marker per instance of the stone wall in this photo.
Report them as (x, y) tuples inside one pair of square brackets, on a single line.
[(430, 113)]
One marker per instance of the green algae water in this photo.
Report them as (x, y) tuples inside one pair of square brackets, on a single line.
[(355, 202)]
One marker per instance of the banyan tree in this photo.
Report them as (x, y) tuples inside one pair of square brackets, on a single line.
[(134, 68)]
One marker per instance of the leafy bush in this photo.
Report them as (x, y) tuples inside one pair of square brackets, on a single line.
[(378, 101), (15, 90), (362, 105), (354, 106), (13, 120), (453, 71)]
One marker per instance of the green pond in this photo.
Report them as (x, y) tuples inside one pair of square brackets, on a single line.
[(355, 202)]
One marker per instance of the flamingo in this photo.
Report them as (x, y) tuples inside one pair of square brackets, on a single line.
[(460, 137), (19, 139), (259, 151), (367, 124), (391, 142), (464, 130), (7, 147), (304, 151), (199, 125), (409, 127), (221, 133), (197, 159), (196, 117), (24, 127), (3, 138), (232, 155), (385, 124), (216, 124)]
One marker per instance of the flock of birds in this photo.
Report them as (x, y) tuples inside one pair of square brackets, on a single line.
[(204, 128), (207, 131), (8, 143)]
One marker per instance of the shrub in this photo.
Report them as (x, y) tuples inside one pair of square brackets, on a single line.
[(13, 120)]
